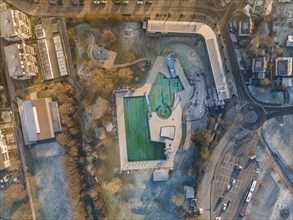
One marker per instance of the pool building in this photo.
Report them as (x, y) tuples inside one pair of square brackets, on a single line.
[(149, 118)]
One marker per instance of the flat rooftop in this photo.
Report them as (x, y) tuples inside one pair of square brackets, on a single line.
[(12, 58), (284, 66), (7, 23)]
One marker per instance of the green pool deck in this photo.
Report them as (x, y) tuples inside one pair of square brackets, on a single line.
[(162, 94), (139, 144)]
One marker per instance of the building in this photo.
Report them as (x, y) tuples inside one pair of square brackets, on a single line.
[(39, 31), (287, 82), (60, 55), (15, 25), (44, 56), (39, 119), (262, 7), (283, 67), (189, 192), (245, 26), (259, 66), (4, 156), (289, 42), (160, 175), (21, 61)]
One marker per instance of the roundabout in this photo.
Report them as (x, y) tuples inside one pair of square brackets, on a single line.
[(253, 116)]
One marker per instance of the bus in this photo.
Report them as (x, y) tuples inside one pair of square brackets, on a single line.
[(253, 186), (248, 197)]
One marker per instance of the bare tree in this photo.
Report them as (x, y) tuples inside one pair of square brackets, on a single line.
[(108, 38)]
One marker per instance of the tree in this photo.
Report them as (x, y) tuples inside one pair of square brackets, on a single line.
[(202, 138), (124, 75), (241, 15), (265, 82), (261, 184), (108, 38), (130, 57), (205, 153)]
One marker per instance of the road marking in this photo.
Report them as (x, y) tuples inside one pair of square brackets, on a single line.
[(223, 181)]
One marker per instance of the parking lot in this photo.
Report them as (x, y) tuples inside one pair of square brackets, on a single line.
[(230, 184)]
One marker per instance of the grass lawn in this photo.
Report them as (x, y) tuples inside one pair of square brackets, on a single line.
[(139, 145)]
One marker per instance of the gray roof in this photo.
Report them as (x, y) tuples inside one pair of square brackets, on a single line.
[(7, 26), (259, 64), (55, 116), (12, 59), (160, 175), (284, 66)]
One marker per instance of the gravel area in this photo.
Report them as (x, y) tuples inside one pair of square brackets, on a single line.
[(45, 167)]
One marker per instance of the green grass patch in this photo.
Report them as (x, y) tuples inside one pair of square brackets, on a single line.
[(139, 145)]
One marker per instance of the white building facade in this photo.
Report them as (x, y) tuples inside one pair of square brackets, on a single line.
[(15, 25)]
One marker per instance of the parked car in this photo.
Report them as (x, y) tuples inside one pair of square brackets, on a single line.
[(224, 207), (241, 214), (238, 169), (220, 199), (139, 2), (149, 2), (118, 2), (233, 182), (228, 187), (74, 2), (228, 203), (125, 2), (193, 203), (102, 2)]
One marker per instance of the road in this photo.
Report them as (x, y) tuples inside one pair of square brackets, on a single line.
[(147, 10)]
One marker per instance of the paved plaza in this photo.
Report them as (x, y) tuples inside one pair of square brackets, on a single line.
[(155, 122)]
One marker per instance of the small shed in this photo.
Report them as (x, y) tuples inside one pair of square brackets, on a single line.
[(160, 175), (189, 192)]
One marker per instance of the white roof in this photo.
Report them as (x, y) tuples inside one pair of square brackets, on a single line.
[(168, 132)]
